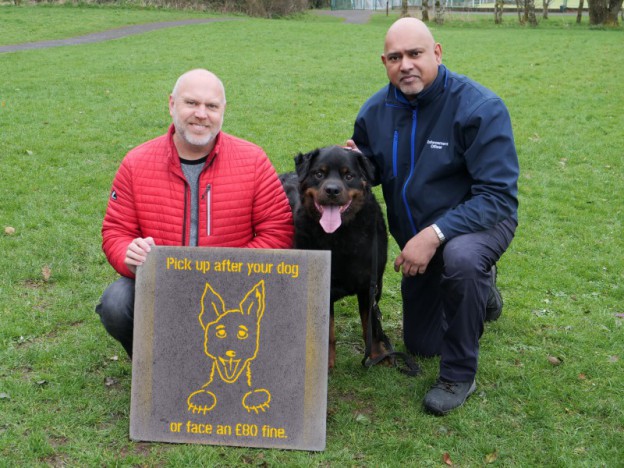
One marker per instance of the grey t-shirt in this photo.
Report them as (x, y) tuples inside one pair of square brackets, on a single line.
[(191, 170)]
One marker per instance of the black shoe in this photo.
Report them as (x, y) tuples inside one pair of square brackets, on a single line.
[(494, 307), (446, 396)]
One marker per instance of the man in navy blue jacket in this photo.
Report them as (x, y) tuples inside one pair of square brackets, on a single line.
[(445, 154)]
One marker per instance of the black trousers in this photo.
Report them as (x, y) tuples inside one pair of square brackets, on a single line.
[(444, 308)]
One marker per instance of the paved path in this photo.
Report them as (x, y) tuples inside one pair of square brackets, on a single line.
[(350, 16), (105, 35)]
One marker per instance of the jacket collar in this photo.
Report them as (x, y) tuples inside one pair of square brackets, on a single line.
[(396, 97), (174, 157)]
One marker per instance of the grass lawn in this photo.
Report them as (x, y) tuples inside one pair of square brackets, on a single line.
[(551, 379)]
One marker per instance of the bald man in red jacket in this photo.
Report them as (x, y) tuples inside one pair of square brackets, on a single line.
[(193, 186)]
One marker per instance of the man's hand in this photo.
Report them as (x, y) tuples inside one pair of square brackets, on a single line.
[(417, 253), (352, 146), (137, 252)]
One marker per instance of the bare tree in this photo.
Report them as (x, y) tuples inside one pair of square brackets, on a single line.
[(425, 11), (604, 12), (579, 13), (498, 11), (526, 12), (439, 12), (546, 5), (519, 8), (404, 7)]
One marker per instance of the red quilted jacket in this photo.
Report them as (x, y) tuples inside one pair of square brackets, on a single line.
[(242, 203)]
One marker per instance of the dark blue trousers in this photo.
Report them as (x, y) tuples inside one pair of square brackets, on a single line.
[(444, 308)]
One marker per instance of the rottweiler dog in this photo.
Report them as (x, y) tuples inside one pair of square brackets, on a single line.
[(334, 209)]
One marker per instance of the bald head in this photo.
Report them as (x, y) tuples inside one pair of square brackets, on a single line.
[(198, 77), (408, 27), (411, 56)]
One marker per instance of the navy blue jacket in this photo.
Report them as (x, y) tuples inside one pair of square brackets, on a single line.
[(447, 157)]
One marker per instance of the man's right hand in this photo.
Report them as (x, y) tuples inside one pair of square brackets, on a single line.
[(137, 252), (352, 146)]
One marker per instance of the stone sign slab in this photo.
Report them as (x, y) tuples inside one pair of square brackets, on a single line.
[(230, 347)]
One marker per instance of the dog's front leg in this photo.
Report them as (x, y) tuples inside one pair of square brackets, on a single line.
[(377, 347)]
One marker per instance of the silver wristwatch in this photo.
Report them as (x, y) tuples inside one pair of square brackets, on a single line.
[(439, 233)]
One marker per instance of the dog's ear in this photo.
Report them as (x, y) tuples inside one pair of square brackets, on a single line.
[(369, 170), (212, 306), (302, 163)]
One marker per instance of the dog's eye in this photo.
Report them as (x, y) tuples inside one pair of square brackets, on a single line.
[(348, 176), (220, 332), (243, 333), (319, 174)]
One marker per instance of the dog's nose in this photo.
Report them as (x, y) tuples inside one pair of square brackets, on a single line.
[(332, 190), (230, 354)]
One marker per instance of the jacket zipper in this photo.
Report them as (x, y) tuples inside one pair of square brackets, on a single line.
[(395, 151), (412, 164), (187, 191), (207, 197)]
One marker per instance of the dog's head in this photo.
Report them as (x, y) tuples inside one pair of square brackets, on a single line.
[(333, 183), (232, 337)]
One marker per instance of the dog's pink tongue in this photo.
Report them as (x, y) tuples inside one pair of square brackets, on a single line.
[(330, 218)]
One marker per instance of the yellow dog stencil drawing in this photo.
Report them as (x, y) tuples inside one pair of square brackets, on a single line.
[(231, 340)]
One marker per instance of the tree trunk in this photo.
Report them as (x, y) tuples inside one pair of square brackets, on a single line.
[(498, 11), (404, 12), (425, 11), (579, 13), (615, 7), (604, 12), (545, 4), (529, 12), (439, 12), (519, 8)]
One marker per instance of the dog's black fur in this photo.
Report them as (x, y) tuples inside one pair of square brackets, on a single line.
[(340, 178)]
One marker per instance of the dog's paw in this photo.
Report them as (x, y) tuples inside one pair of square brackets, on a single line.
[(201, 402), (257, 400)]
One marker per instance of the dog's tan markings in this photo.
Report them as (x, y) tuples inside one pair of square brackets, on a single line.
[(231, 341)]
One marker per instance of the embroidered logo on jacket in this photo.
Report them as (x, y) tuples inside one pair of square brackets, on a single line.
[(437, 144)]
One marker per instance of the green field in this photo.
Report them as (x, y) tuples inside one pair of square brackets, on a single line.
[(551, 379)]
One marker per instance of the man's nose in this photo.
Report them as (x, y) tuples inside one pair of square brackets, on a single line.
[(406, 63), (201, 111)]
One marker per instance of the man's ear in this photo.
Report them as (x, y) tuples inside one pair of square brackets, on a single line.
[(437, 50), (171, 104)]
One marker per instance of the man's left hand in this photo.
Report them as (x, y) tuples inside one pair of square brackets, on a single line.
[(417, 253)]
